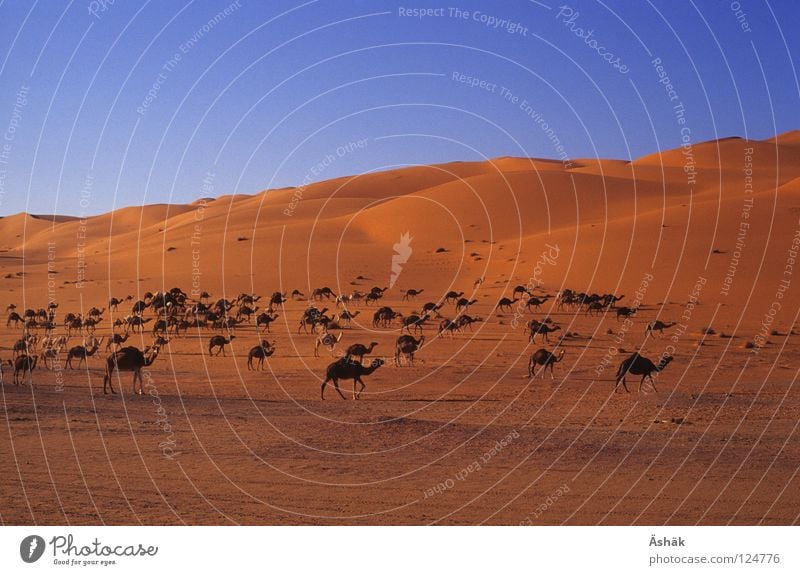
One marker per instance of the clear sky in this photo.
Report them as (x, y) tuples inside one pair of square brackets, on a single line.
[(107, 104)]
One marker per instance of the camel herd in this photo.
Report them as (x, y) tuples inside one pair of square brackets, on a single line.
[(173, 314)]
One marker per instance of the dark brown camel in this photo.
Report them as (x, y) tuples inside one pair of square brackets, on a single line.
[(545, 359), (82, 353), (219, 341), (414, 321), (407, 346), (535, 302), (22, 365), (658, 326), (347, 369), (543, 329), (359, 350), (639, 365), (129, 359), (265, 319), (260, 352), (323, 292), (506, 303), (463, 303), (452, 296), (116, 340), (412, 293)]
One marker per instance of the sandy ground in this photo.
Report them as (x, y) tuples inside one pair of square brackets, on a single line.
[(463, 436)]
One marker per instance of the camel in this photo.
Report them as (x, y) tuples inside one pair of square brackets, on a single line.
[(15, 317), (260, 352), (312, 316), (372, 297), (160, 327), (113, 304), (94, 312), (610, 300), (535, 302), (448, 326), (82, 353), (407, 346), (346, 369), (51, 353), (116, 340), (265, 319), (220, 342), (3, 362), (134, 321), (414, 320), (248, 299), (520, 289), (463, 303), (466, 320), (596, 307), (327, 339), (478, 282), (359, 350), (626, 312), (658, 326), (452, 296), (432, 308), (506, 303), (545, 359), (246, 311), (323, 292), (384, 317), (639, 365), (411, 294), (346, 316), (543, 329), (297, 294), (278, 298), (129, 359), (22, 365), (25, 345), (138, 307)]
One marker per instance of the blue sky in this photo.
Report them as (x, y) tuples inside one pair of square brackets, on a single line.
[(272, 94)]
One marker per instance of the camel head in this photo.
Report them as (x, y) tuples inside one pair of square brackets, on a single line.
[(561, 354), (664, 362), (376, 363)]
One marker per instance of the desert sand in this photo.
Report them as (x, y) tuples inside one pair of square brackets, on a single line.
[(703, 236)]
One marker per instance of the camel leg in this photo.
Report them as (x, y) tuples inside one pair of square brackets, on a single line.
[(322, 390), (336, 387), (531, 369), (653, 383), (551, 372)]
